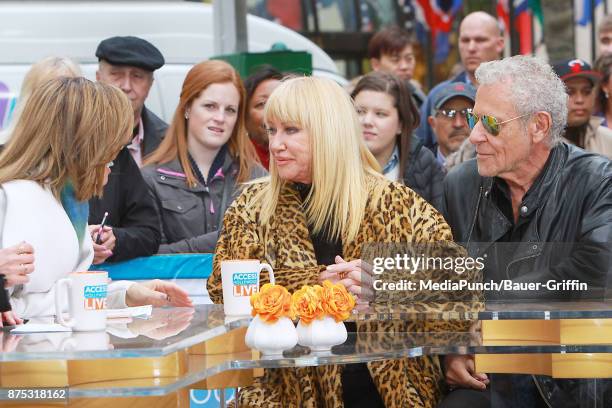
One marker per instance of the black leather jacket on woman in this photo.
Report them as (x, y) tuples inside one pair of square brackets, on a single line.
[(563, 232)]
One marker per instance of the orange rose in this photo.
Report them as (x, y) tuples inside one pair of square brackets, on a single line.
[(337, 302), (307, 303), (271, 303)]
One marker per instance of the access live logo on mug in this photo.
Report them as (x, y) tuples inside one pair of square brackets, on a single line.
[(245, 283), (94, 297), (240, 279)]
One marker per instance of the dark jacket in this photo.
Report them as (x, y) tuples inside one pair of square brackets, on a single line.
[(564, 230), (192, 216), (154, 131), (5, 305), (424, 174), (131, 210)]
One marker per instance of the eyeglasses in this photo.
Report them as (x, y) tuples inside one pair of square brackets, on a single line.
[(490, 123), (451, 113)]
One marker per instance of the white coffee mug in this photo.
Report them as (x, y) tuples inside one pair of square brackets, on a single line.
[(87, 292), (240, 279)]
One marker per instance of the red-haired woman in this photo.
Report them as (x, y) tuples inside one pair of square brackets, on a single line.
[(206, 153)]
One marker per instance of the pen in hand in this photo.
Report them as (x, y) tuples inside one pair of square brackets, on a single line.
[(102, 224)]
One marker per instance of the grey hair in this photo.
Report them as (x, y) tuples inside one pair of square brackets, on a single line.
[(534, 88)]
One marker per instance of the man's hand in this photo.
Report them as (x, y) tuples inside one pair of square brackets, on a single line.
[(460, 372), (103, 250), (157, 293), (16, 263)]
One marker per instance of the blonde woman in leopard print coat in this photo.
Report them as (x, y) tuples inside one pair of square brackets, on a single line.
[(315, 141)]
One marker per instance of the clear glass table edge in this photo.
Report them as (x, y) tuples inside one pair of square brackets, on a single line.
[(148, 352), (325, 358), (497, 312)]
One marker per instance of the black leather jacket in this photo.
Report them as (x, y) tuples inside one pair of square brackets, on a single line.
[(564, 231)]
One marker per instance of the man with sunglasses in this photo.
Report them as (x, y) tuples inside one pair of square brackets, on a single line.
[(583, 129), (480, 40), (448, 117), (534, 208)]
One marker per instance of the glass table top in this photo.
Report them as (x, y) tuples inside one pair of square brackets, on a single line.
[(176, 329), (171, 330)]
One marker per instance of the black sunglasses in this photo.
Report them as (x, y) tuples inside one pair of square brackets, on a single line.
[(451, 113)]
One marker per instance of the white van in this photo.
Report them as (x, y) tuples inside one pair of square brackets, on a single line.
[(183, 32)]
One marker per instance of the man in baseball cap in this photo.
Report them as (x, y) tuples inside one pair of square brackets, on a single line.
[(132, 224), (447, 118), (583, 129)]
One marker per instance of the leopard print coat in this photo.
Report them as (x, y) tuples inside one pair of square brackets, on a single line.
[(400, 216)]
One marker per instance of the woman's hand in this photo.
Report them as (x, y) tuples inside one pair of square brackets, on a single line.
[(16, 263), (104, 249), (8, 342), (10, 318), (163, 323), (157, 293), (355, 275)]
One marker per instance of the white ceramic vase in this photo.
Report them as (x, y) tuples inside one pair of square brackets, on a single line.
[(321, 334), (271, 338)]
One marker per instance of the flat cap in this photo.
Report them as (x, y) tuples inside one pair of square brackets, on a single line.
[(132, 51)]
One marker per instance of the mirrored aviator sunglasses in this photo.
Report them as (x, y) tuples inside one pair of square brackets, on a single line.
[(491, 124)]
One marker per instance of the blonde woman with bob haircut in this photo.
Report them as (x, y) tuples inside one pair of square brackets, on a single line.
[(323, 200), (57, 159), (40, 72)]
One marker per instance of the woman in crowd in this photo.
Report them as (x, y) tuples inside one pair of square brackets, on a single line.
[(259, 86), (388, 117), (603, 65), (58, 158), (194, 173), (324, 199), (44, 70)]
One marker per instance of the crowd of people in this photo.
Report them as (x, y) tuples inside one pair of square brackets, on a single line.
[(509, 158)]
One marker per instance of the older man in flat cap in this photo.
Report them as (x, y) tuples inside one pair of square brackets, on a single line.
[(132, 224), (128, 63)]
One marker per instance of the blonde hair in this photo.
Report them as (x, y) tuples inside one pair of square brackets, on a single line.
[(42, 71), (341, 162), (70, 129), (174, 145)]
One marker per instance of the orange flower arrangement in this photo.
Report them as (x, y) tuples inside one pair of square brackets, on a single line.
[(337, 302), (315, 302), (307, 303), (271, 303)]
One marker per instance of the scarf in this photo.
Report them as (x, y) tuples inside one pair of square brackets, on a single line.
[(77, 211)]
